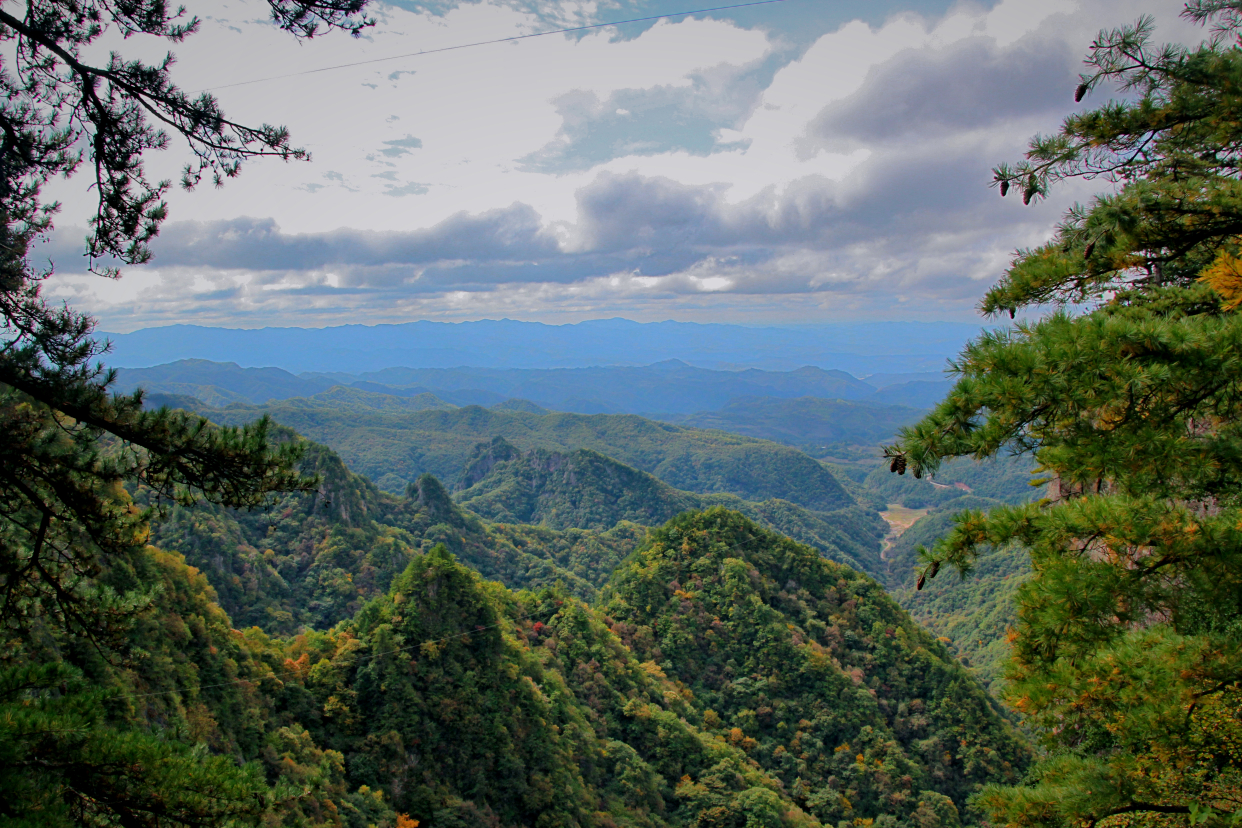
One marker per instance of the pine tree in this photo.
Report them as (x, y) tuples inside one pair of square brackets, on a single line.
[(1128, 651), (68, 445), (66, 441)]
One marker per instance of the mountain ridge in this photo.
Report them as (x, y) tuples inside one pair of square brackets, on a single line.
[(866, 347), (671, 388)]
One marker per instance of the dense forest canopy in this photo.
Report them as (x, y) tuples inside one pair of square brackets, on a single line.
[(1126, 652)]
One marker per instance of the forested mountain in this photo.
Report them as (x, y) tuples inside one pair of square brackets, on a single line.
[(974, 612), (922, 393), (730, 677), (587, 490), (724, 675), (788, 655), (581, 489), (393, 447), (1005, 479), (671, 386), (315, 558), (209, 381), (552, 511)]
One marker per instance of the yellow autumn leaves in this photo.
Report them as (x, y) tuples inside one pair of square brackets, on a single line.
[(1224, 275)]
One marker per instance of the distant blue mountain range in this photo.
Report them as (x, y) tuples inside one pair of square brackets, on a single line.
[(860, 349), (666, 388)]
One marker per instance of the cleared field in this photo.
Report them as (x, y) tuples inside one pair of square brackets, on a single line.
[(899, 519)]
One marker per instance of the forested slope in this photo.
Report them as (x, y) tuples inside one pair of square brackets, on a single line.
[(586, 490), (787, 692), (973, 613), (813, 670), (398, 446), (813, 424), (314, 558)]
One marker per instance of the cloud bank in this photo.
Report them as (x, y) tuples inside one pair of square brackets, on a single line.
[(702, 170)]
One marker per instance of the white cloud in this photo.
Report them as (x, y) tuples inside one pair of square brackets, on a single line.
[(850, 177)]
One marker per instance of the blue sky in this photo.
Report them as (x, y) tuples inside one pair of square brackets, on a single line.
[(797, 162)]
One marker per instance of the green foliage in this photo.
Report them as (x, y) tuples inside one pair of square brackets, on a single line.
[(61, 764), (973, 613), (1006, 479), (408, 444), (455, 701), (153, 730), (902, 559), (1126, 650), (810, 668), (466, 704), (315, 558), (584, 489), (851, 536)]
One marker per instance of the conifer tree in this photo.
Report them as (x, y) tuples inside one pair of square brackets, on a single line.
[(65, 440), (68, 444), (1128, 651)]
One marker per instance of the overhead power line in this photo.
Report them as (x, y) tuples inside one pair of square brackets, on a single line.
[(497, 40)]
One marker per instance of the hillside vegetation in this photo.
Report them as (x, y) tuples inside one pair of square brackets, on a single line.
[(812, 669), (813, 424), (382, 441), (315, 558), (546, 511), (729, 677), (586, 490)]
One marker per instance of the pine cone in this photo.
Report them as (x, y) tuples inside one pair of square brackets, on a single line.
[(1080, 92), (898, 465), (1004, 188)]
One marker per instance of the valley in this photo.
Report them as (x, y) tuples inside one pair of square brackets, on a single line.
[(494, 614), (533, 497), (663, 620)]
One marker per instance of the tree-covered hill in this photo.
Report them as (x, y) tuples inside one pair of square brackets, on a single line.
[(731, 678), (587, 490), (671, 388), (581, 489), (1004, 479), (973, 613), (396, 446), (810, 668), (359, 401), (253, 385), (315, 558)]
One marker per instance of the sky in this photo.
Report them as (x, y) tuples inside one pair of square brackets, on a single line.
[(798, 162)]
